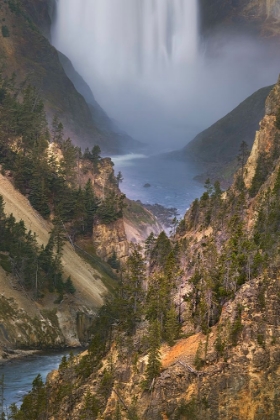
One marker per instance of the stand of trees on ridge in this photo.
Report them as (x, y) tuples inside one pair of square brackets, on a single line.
[(215, 266), (45, 168), (50, 177)]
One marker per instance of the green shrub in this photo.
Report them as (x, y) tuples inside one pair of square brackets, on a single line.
[(5, 31)]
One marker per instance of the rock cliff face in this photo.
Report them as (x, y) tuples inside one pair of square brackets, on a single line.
[(265, 136), (48, 322), (227, 364), (53, 320), (241, 383), (26, 324), (136, 224), (218, 146), (261, 16), (109, 239)]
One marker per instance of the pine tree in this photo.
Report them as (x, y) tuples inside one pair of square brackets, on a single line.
[(91, 206), (171, 328), (91, 407), (135, 276), (69, 287), (32, 121), (57, 130), (154, 363), (118, 413), (149, 244), (243, 156), (68, 163), (161, 250), (119, 178), (38, 195)]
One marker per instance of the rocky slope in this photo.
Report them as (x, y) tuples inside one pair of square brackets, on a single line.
[(218, 146), (240, 382), (26, 51), (225, 365), (53, 321), (50, 324)]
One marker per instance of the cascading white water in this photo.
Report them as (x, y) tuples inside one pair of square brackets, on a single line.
[(142, 62), (127, 38)]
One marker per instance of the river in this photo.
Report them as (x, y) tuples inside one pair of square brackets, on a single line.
[(171, 182), (20, 373), (171, 185)]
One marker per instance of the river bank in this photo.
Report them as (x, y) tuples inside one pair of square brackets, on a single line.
[(9, 355), (171, 182), (21, 369)]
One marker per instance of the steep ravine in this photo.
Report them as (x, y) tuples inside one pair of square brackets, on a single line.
[(51, 322), (26, 323), (225, 365)]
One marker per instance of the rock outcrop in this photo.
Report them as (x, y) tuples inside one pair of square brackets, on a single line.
[(262, 17), (226, 364), (265, 137)]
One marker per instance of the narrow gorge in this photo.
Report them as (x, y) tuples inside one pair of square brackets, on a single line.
[(178, 317)]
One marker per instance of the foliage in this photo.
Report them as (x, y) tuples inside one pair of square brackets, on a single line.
[(110, 209), (186, 410), (114, 262), (91, 407), (154, 363), (35, 268), (5, 31), (236, 327), (119, 178), (47, 173)]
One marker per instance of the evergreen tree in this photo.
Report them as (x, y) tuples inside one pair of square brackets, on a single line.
[(243, 156), (119, 178), (110, 209), (154, 363), (161, 250), (91, 407), (32, 121), (171, 330), (149, 245), (39, 194), (69, 287), (68, 163), (91, 206), (57, 130)]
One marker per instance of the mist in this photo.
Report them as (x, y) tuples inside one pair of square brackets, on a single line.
[(149, 70)]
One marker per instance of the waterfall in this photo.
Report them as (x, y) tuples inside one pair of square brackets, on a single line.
[(142, 61), (127, 38)]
